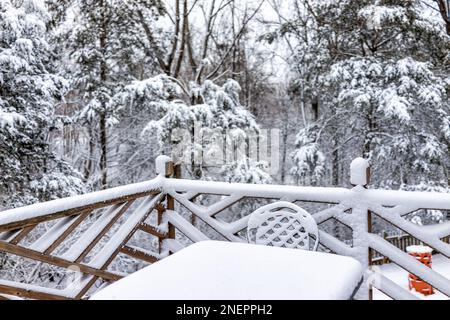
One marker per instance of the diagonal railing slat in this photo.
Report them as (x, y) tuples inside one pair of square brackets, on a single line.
[(38, 256), (57, 234), (125, 231), (92, 236), (9, 236), (391, 289), (185, 227), (431, 239), (31, 291), (21, 235), (217, 225)]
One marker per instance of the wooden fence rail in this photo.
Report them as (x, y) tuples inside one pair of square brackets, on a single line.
[(401, 242)]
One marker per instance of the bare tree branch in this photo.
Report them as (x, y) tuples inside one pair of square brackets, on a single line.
[(209, 30), (445, 13), (237, 37), (176, 37), (156, 50), (183, 39)]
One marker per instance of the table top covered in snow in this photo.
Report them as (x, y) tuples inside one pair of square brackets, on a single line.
[(213, 270)]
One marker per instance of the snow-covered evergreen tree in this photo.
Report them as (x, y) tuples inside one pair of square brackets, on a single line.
[(378, 69), (309, 161), (218, 118), (29, 90), (400, 108), (106, 50)]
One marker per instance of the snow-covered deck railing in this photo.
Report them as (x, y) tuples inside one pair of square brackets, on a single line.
[(96, 233), (83, 234), (46, 211)]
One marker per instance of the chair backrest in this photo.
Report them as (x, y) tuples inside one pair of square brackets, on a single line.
[(283, 224)]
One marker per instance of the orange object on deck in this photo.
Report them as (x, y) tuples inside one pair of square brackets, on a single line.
[(424, 255)]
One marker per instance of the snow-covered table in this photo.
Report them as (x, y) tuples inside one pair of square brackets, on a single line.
[(235, 271)]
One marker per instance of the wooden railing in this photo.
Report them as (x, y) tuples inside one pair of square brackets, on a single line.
[(97, 234), (401, 242), (84, 235)]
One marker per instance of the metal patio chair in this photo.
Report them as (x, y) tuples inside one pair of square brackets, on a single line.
[(283, 224)]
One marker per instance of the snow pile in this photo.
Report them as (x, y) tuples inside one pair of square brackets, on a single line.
[(161, 163), (222, 271), (419, 249), (376, 15), (358, 170), (9, 119)]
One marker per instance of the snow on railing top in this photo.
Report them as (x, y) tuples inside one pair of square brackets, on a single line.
[(418, 200), (78, 203), (360, 172)]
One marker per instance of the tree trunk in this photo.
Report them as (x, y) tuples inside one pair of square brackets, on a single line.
[(335, 164), (284, 155), (104, 156), (184, 34), (103, 113), (370, 129), (315, 108), (176, 37), (444, 8), (88, 163)]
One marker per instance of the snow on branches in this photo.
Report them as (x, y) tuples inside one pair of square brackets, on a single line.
[(191, 129), (29, 91)]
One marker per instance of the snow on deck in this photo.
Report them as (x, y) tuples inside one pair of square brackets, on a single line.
[(398, 275)]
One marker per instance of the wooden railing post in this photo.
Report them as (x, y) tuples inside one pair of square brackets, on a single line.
[(171, 171), (160, 210), (360, 179), (385, 237)]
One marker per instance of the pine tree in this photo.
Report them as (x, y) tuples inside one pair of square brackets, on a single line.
[(381, 78), (29, 90), (106, 51), (199, 133), (309, 161)]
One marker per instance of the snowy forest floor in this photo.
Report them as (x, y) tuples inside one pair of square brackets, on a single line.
[(440, 264)]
